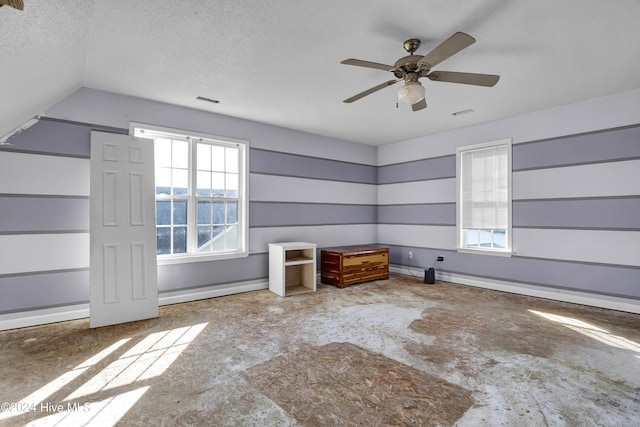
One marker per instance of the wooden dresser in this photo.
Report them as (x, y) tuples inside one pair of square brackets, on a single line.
[(347, 265)]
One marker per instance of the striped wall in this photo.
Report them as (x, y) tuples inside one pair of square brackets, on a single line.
[(44, 220), (293, 197), (576, 209), (302, 187)]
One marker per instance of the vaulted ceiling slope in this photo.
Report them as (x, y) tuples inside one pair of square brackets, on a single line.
[(278, 61)]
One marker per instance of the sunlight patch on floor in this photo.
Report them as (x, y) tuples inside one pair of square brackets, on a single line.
[(37, 397), (149, 358), (107, 412), (591, 331)]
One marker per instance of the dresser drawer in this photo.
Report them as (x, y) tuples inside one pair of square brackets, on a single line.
[(367, 259)]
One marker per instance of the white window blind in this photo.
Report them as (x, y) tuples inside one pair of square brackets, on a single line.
[(484, 196), (485, 188)]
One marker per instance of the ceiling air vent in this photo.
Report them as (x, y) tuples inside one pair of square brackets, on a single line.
[(213, 101)]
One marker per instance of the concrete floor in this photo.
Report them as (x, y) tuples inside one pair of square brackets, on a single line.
[(386, 353)]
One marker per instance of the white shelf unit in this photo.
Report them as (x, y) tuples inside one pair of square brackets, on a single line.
[(292, 268)]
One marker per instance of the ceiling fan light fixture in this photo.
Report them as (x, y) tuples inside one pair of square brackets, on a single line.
[(411, 93)]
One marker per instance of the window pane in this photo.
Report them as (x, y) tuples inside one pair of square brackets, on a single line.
[(162, 152), (500, 239), (204, 157), (231, 162), (217, 234), (204, 212), (232, 185), (163, 238), (180, 154), (179, 212), (232, 212), (179, 240), (485, 239), (471, 237), (218, 213), (203, 183), (217, 184), (204, 238), (217, 158), (231, 238), (180, 181), (163, 213), (163, 181)]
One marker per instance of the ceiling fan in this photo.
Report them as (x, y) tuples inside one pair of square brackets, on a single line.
[(411, 68)]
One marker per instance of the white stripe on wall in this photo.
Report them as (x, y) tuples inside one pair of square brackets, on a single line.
[(593, 180), (272, 188), (323, 236), (22, 253), (430, 191), (419, 236), (607, 112), (39, 174), (308, 144), (600, 246)]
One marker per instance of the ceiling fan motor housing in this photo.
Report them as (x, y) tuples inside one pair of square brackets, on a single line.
[(406, 65)]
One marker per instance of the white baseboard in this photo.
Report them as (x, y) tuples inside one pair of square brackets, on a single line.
[(25, 319), (565, 295), (60, 314)]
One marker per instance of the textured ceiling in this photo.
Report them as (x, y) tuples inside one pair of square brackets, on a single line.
[(278, 62)]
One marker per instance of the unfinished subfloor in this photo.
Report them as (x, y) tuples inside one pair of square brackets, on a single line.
[(383, 353)]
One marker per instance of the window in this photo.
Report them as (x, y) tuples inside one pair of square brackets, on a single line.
[(484, 197), (201, 195)]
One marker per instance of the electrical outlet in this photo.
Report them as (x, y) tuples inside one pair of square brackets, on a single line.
[(440, 259), (410, 254)]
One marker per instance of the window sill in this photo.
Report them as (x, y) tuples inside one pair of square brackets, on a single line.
[(188, 258), (492, 252)]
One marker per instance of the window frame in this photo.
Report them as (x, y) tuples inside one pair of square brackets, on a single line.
[(193, 197), (460, 246)]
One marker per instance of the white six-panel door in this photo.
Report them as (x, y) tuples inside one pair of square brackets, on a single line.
[(123, 269)]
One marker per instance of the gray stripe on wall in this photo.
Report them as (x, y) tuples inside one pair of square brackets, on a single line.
[(594, 147), (603, 146), (54, 138), (277, 163), (432, 214), (34, 291), (606, 213), (585, 277), (273, 214), (177, 277), (419, 170), (45, 214)]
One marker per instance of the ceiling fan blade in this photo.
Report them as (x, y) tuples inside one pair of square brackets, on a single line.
[(420, 105), (368, 64), (446, 49), (488, 80), (16, 4), (370, 91)]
